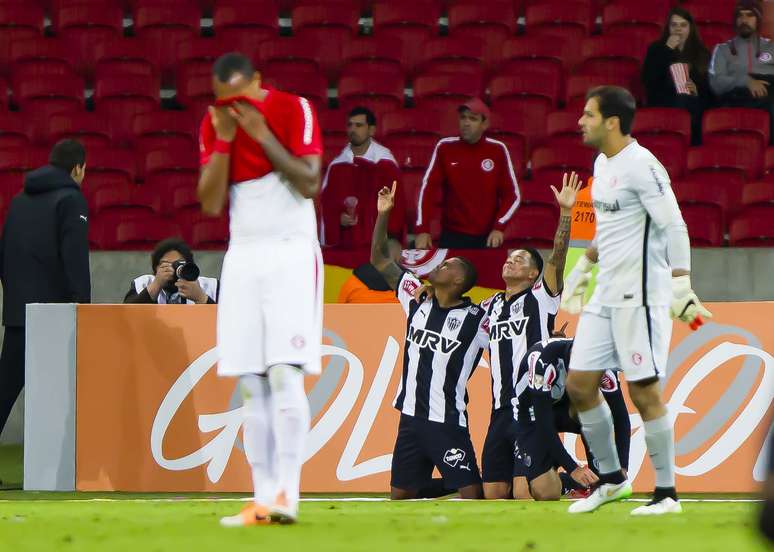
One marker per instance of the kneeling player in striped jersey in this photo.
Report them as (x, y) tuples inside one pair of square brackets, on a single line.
[(543, 411), (445, 336)]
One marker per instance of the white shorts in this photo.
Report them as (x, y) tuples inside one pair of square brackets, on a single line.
[(270, 306), (634, 340)]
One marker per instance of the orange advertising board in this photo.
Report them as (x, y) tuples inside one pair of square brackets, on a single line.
[(152, 415)]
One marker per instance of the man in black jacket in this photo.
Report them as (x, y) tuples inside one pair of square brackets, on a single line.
[(44, 255)]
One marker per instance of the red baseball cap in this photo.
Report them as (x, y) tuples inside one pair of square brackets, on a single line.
[(477, 106)]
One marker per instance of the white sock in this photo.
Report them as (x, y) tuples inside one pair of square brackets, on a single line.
[(659, 438), (290, 419), (259, 437), (597, 425)]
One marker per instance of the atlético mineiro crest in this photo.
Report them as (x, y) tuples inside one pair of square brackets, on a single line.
[(453, 323)]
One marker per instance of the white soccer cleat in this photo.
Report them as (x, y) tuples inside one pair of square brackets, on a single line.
[(603, 494), (282, 512), (664, 506)]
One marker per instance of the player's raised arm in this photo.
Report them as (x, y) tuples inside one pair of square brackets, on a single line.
[(380, 253), (554, 270), (215, 151), (303, 172)]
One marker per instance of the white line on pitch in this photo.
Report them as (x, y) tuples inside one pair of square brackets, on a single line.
[(327, 499)]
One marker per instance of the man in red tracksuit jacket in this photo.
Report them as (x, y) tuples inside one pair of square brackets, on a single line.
[(474, 177)]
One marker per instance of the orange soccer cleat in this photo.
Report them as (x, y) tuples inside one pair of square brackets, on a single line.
[(252, 514)]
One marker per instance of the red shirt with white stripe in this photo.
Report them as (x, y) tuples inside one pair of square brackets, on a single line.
[(476, 183), (292, 120)]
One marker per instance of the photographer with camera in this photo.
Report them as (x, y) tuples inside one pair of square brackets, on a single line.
[(175, 278)]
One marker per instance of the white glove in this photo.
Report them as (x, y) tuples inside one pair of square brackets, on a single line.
[(685, 305), (575, 285)]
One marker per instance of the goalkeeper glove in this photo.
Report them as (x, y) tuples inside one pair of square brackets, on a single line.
[(574, 291), (685, 305)]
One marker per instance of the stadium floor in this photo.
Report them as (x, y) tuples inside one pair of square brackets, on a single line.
[(85, 522)]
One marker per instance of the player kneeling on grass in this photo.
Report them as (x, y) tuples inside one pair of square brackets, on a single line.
[(445, 337), (542, 410)]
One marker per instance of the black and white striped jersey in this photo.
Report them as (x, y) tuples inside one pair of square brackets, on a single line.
[(515, 325), (443, 347)]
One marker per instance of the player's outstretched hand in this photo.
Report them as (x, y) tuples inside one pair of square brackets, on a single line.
[(574, 292), (685, 304), (250, 119), (386, 199), (224, 124), (584, 476), (571, 185)]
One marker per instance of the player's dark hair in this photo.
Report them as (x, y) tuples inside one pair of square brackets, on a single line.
[(360, 110), (229, 64), (66, 154), (167, 245), (535, 258), (615, 101), (471, 275)]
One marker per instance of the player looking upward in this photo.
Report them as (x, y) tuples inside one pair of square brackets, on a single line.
[(644, 257), (521, 316), (262, 148), (445, 335)]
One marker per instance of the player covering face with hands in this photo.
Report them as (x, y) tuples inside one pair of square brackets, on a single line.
[(643, 252)]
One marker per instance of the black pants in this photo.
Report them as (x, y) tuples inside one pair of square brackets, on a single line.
[(695, 105), (11, 371), (457, 240), (741, 97)]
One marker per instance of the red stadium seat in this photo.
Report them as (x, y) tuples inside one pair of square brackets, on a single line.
[(544, 86), (663, 121), (752, 227), (735, 123), (143, 234), (712, 193), (445, 92), (38, 58), (159, 130), (380, 88), (618, 56), (14, 162), (410, 154), (86, 26), (758, 193), (768, 163), (537, 192), (256, 20), (492, 22), (18, 21), (548, 161), (452, 55), (196, 87), (420, 127), (196, 55), (127, 56), (3, 94), (107, 168), (120, 98), (524, 116), (372, 51), (329, 42), (573, 20), (311, 85), (531, 226), (14, 131), (161, 26), (713, 18), (130, 200), (333, 123), (88, 128), (563, 129), (669, 149), (704, 228), (579, 85), (726, 158), (289, 54), (210, 234), (339, 15), (628, 16), (46, 96), (516, 145), (164, 161), (522, 51), (412, 22)]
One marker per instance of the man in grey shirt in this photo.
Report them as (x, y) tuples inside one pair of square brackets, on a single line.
[(742, 69)]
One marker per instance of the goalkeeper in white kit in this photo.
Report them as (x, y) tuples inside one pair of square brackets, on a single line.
[(644, 257)]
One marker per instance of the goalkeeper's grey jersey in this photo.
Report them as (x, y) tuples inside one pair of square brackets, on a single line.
[(633, 201)]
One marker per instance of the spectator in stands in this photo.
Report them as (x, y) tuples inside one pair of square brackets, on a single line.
[(473, 177), (742, 69), (675, 72), (352, 183), (367, 285), (44, 255), (169, 284)]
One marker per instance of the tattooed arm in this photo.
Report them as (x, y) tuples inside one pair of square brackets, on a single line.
[(380, 253), (553, 275)]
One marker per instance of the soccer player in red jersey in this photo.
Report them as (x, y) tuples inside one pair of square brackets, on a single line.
[(262, 148)]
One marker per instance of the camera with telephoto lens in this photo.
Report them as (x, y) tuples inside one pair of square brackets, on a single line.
[(185, 271)]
